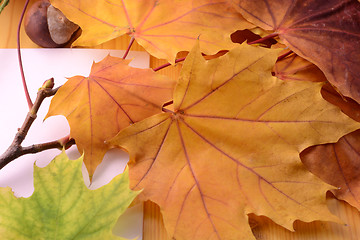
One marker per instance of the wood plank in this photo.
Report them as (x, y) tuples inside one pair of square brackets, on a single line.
[(153, 225)]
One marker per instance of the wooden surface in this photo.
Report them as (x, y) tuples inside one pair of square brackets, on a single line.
[(263, 228)]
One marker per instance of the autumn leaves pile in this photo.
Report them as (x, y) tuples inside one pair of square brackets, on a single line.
[(230, 142)]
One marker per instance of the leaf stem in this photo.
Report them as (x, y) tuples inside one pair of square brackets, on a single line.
[(168, 103), (128, 48), (15, 150), (28, 99), (284, 55), (272, 35), (167, 110), (168, 64)]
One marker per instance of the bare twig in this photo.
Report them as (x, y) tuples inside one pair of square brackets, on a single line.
[(35, 148), (28, 99), (15, 150)]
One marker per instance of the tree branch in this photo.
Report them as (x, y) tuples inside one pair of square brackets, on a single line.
[(15, 150), (35, 148)]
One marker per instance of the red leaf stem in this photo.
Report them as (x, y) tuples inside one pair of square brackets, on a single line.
[(168, 64), (264, 38), (128, 49), (30, 104), (284, 55)]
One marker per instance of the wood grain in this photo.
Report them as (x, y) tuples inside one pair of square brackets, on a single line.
[(263, 228)]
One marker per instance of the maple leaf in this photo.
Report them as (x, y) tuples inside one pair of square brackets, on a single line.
[(3, 4), (335, 163), (296, 68), (325, 32), (339, 163), (62, 207), (162, 27), (231, 147), (114, 96)]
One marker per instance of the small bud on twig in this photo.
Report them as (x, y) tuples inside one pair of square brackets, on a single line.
[(48, 84)]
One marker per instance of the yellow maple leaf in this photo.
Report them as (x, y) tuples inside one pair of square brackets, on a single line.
[(231, 147), (162, 27)]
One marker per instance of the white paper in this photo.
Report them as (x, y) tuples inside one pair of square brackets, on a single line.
[(40, 65)]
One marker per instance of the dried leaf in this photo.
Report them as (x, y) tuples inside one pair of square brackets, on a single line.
[(295, 68), (348, 106), (231, 147), (339, 163), (162, 27), (325, 32), (62, 207), (114, 96)]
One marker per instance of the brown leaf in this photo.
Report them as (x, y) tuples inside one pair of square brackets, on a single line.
[(325, 32), (339, 163), (114, 96), (162, 27), (231, 147), (348, 106)]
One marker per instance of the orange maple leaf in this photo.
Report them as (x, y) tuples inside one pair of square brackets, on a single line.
[(231, 147), (114, 96), (296, 68), (162, 27), (336, 163), (325, 32)]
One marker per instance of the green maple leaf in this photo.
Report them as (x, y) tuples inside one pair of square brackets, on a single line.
[(3, 4), (62, 207)]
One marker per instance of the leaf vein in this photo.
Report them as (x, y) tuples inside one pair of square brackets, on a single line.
[(196, 180), (181, 16), (157, 152)]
